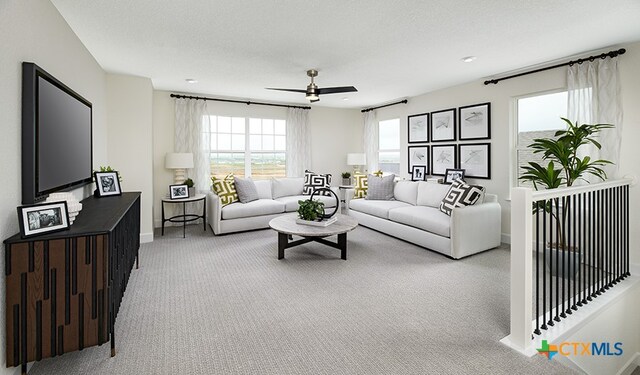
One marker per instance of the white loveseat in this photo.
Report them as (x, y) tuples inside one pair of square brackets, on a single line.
[(277, 196), (414, 216)]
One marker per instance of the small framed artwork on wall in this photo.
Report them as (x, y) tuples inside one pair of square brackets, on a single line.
[(418, 128), (475, 121), (443, 125), (475, 159), (442, 158), (418, 155)]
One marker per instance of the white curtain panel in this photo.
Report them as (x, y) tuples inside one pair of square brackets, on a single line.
[(192, 119), (594, 98), (371, 139), (298, 142)]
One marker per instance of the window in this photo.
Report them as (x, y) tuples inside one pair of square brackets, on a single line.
[(537, 117), (251, 147), (389, 146)]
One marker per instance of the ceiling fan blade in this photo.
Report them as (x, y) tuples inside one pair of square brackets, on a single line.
[(335, 90), (291, 90)]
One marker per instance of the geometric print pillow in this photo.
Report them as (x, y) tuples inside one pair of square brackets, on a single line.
[(459, 195), (361, 185), (225, 189), (313, 181)]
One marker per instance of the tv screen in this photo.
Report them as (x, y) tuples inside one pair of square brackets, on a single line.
[(57, 136)]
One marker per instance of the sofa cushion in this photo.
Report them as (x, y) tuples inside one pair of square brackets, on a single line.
[(255, 208), (264, 189), (291, 202), (426, 218), (376, 208), (360, 185), (225, 189), (406, 191), (313, 181), (380, 188), (460, 194), (282, 187), (246, 188), (431, 194)]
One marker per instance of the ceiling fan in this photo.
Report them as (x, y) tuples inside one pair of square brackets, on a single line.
[(313, 92)]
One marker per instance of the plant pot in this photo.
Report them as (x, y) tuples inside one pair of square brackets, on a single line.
[(346, 181), (568, 257), (192, 191)]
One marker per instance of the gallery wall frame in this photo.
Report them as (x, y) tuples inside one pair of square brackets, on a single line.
[(418, 155), (418, 128), (443, 125), (475, 159), (443, 157), (474, 122)]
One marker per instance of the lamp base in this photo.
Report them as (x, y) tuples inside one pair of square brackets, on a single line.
[(179, 176)]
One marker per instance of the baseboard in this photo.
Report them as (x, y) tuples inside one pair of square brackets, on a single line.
[(146, 237), (631, 365), (505, 238)]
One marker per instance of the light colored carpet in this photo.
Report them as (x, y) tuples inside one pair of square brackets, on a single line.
[(226, 305)]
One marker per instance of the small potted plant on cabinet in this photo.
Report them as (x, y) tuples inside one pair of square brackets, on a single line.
[(346, 178), (564, 169), (192, 190)]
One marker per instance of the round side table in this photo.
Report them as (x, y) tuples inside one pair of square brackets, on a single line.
[(185, 217)]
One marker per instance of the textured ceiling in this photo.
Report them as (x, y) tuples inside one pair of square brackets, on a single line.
[(387, 49)]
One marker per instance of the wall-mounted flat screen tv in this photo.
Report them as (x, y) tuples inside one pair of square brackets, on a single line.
[(57, 149)]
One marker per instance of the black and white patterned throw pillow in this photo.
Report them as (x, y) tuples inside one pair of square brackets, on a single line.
[(459, 195), (312, 181)]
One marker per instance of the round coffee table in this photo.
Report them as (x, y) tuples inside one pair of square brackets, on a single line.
[(286, 226)]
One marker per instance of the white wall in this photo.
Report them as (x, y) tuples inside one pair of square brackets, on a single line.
[(33, 30), (334, 133), (130, 138), (502, 96)]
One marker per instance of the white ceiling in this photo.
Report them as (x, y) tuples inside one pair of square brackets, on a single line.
[(387, 49)]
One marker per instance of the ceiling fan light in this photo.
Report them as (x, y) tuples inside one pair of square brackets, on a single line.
[(312, 97)]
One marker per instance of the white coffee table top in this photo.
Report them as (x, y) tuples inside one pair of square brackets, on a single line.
[(287, 224)]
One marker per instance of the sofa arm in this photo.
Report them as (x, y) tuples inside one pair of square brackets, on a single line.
[(214, 211), (475, 228)]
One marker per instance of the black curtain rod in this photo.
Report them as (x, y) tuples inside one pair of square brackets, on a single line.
[(603, 56), (179, 96), (386, 105)]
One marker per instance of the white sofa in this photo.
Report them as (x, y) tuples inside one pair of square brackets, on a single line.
[(414, 216), (277, 196)]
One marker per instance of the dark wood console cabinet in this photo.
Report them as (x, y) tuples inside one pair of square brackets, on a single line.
[(63, 290)]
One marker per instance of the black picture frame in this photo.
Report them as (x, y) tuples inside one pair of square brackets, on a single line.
[(475, 159), (417, 155), (418, 128), (38, 219), (418, 173), (179, 191), (443, 157), (444, 119), (452, 174), (474, 122), (107, 184)]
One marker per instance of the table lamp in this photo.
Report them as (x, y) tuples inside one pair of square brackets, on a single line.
[(178, 161), (356, 160)]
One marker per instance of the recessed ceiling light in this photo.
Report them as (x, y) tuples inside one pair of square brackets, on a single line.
[(191, 80), (468, 59)]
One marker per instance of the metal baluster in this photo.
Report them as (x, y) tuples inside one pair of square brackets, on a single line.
[(591, 244), (565, 243), (537, 330), (626, 230), (557, 317), (608, 249), (581, 246), (551, 224), (599, 203), (544, 262), (576, 249)]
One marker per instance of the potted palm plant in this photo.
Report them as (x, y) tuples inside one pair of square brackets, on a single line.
[(564, 169)]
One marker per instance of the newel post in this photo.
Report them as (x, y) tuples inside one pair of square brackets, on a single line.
[(521, 267)]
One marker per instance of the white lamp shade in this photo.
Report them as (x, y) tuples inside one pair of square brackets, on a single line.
[(356, 159), (178, 160)]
